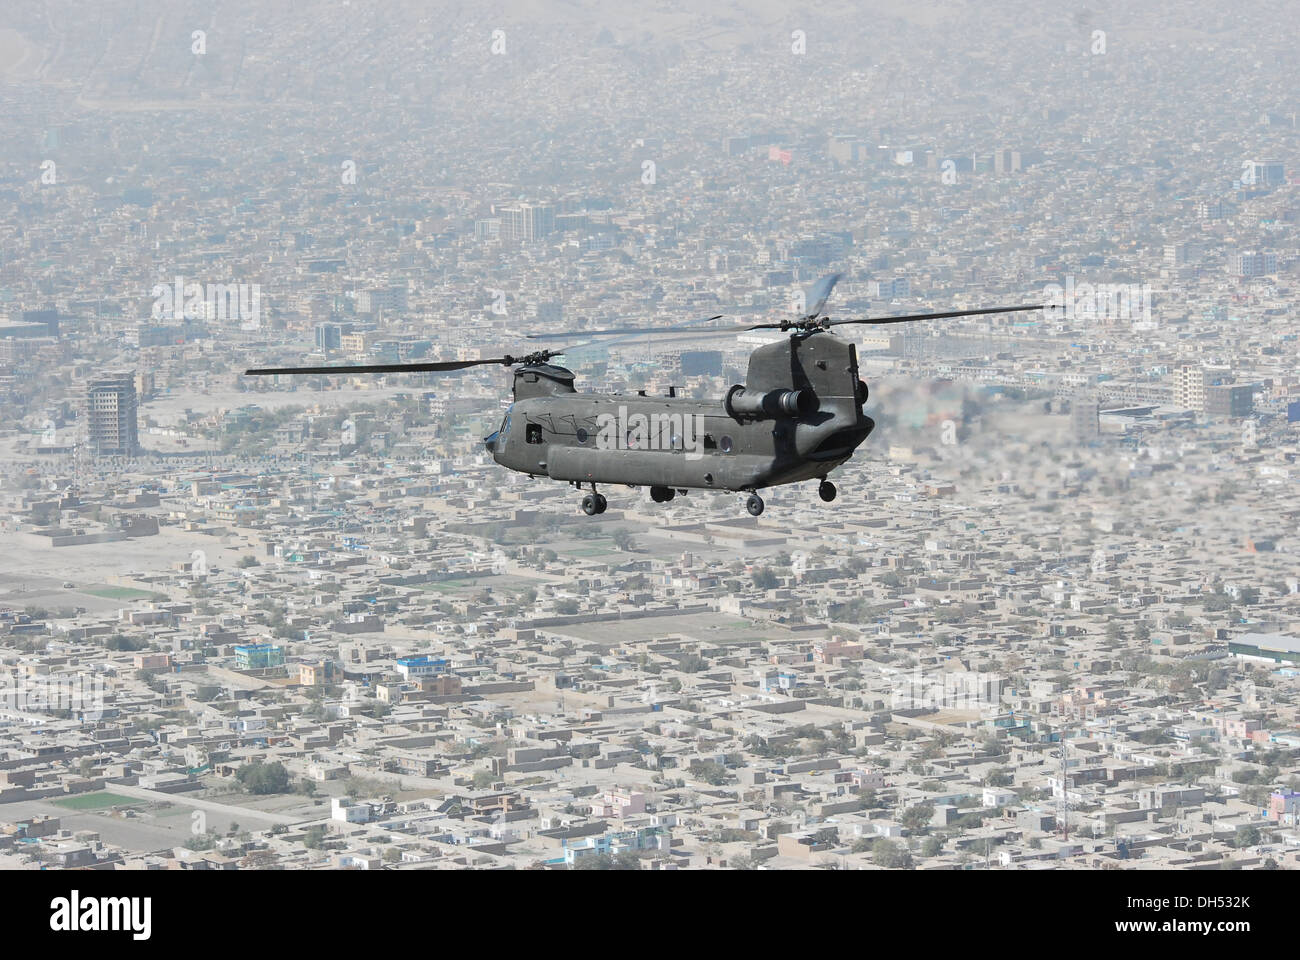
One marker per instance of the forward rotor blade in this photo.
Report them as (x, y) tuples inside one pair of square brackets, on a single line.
[(432, 367), (908, 318)]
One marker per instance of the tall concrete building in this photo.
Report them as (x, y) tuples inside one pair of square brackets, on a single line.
[(111, 415), (1085, 419), (528, 221), (1201, 389), (1265, 173), (1189, 387), (1232, 400), (1252, 263), (382, 299), (1181, 254)]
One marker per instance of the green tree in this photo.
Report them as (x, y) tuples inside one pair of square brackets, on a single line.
[(710, 771), (893, 856), (1247, 836), (917, 818), (263, 778)]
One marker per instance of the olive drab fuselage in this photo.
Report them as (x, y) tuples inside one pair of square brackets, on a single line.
[(798, 415)]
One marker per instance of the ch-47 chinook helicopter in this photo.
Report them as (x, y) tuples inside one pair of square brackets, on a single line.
[(798, 415)]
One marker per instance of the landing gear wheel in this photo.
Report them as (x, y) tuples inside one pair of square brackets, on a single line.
[(589, 505), (601, 502), (662, 494), (754, 504), (826, 491)]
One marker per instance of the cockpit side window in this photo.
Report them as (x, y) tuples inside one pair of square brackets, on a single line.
[(504, 434)]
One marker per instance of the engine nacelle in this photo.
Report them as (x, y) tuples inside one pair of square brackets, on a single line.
[(743, 404)]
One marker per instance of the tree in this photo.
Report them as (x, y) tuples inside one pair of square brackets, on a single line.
[(1246, 836), (710, 771), (692, 663), (483, 779), (917, 817), (119, 642), (998, 777), (263, 778), (890, 855)]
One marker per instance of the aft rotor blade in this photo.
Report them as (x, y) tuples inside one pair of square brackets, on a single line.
[(432, 367), (908, 318), (820, 292)]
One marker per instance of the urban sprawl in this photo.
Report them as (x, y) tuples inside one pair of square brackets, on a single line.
[(1052, 620)]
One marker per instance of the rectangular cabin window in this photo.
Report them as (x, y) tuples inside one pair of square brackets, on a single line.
[(709, 442), (533, 433)]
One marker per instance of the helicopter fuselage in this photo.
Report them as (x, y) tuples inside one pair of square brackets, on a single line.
[(797, 417)]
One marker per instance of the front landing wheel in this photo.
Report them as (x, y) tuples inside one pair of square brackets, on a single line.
[(754, 505)]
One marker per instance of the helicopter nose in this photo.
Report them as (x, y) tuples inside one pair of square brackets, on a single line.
[(490, 442)]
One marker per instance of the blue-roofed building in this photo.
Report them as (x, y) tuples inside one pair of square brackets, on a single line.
[(616, 842), (258, 656), (426, 666)]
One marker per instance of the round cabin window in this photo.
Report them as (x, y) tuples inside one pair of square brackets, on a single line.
[(582, 435), (725, 444)]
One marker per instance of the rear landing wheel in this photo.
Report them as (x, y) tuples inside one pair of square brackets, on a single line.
[(662, 494), (826, 491), (590, 505), (601, 503), (754, 504)]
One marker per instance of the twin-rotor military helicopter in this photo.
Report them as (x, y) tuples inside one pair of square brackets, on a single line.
[(798, 415)]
